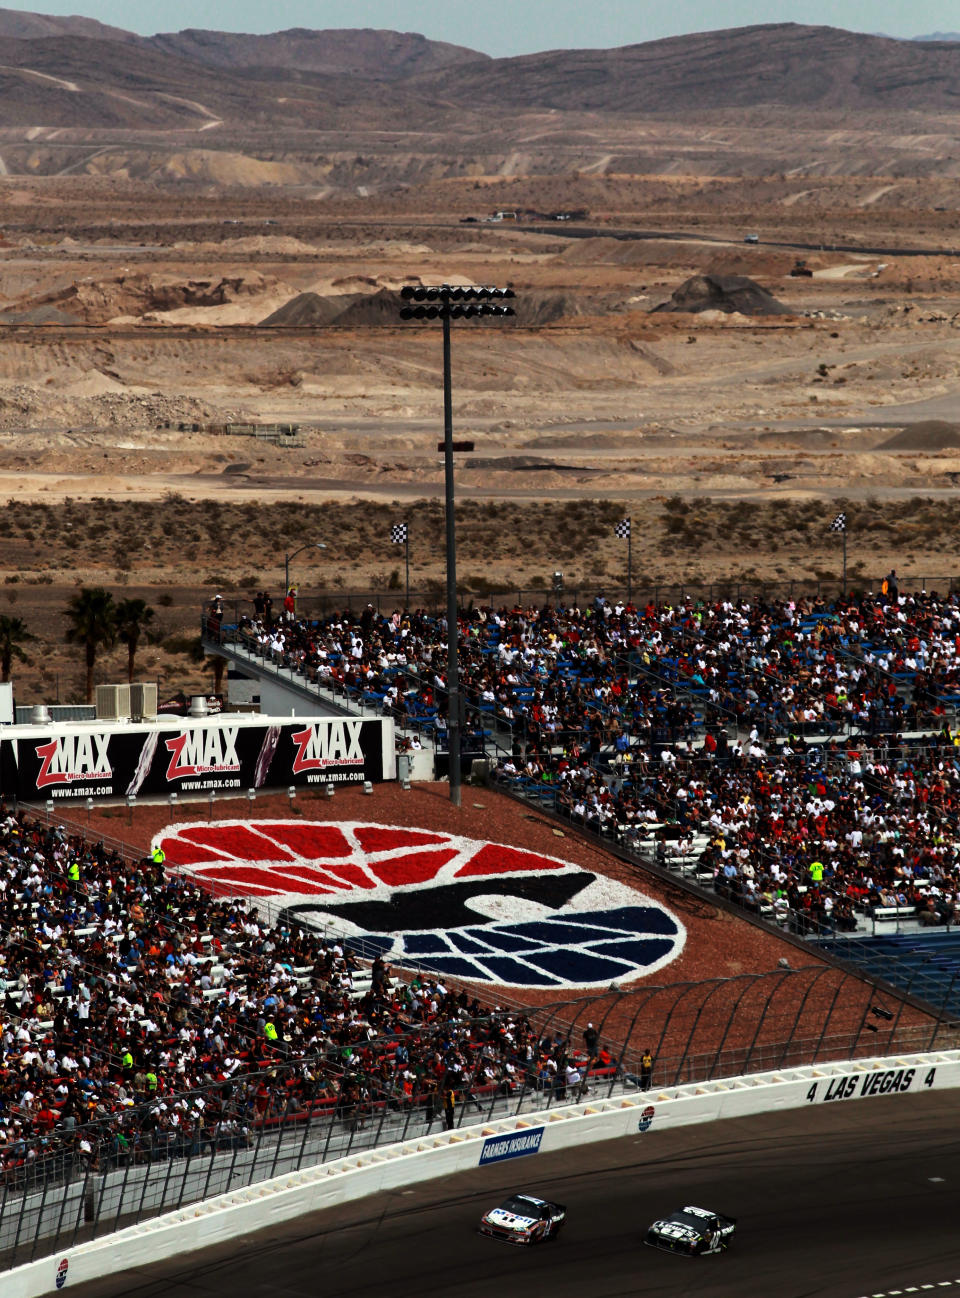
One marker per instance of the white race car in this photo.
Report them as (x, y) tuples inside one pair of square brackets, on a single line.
[(523, 1219), (692, 1232)]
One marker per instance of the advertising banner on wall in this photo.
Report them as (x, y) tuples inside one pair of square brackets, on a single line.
[(86, 762)]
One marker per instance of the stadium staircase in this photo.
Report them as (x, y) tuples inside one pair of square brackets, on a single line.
[(924, 965)]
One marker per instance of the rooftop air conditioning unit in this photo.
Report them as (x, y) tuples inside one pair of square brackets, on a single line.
[(143, 700), (198, 705), (40, 715), (113, 702)]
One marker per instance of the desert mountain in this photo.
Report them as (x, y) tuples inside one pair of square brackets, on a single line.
[(15, 24), (235, 76), (784, 64), (368, 110), (379, 55)]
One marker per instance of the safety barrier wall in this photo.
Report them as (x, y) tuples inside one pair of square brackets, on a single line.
[(218, 1220)]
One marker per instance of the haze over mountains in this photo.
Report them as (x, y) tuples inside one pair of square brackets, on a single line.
[(75, 84)]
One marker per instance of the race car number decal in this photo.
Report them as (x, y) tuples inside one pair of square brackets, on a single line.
[(855, 1086), (464, 907)]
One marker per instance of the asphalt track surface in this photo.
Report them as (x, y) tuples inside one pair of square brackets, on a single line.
[(837, 1201)]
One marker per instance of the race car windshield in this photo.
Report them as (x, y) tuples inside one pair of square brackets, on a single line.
[(696, 1223), (519, 1207)]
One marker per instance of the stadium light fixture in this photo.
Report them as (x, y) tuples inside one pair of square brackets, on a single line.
[(446, 302), (311, 545)]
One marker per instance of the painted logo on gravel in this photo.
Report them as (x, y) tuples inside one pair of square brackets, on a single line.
[(459, 906)]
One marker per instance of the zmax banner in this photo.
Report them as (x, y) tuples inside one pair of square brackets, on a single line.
[(221, 756)]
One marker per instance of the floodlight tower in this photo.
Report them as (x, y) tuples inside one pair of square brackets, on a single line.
[(448, 302)]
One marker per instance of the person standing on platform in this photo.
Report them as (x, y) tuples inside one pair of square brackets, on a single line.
[(646, 1069)]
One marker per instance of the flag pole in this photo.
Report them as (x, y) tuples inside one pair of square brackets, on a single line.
[(406, 549), (844, 592), (630, 562)]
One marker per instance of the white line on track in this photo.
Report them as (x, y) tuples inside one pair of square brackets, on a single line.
[(914, 1288)]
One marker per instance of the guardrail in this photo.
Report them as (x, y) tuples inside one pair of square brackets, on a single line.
[(290, 1195)]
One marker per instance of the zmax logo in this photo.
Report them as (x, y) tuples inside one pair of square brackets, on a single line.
[(74, 757), (198, 752), (335, 744)]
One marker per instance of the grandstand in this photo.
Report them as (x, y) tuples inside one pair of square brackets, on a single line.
[(687, 733), (794, 765)]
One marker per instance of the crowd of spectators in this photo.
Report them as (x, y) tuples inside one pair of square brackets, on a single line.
[(643, 675), (702, 716), (143, 1017), (815, 836)]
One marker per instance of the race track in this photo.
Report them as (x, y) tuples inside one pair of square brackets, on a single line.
[(837, 1201)]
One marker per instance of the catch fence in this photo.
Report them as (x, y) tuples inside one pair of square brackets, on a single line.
[(292, 1113)]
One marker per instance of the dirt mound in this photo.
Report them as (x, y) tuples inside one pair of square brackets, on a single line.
[(99, 301), (370, 308), (603, 250), (38, 316), (801, 438), (726, 293), (306, 310), (99, 408), (545, 308), (384, 306), (278, 244), (928, 435)]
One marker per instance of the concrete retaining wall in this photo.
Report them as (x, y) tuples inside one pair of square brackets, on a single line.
[(218, 1220)]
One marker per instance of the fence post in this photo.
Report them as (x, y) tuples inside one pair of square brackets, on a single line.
[(123, 1191), (796, 1022), (332, 1120), (23, 1209), (65, 1183), (235, 1141), (280, 1131), (827, 1018), (761, 1018), (683, 989), (718, 983), (39, 1225)]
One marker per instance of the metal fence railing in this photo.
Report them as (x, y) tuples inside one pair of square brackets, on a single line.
[(432, 600)]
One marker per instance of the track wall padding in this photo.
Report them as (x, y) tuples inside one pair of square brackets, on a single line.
[(217, 1221)]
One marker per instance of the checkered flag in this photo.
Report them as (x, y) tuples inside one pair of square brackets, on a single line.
[(622, 529), (398, 533), (839, 524)]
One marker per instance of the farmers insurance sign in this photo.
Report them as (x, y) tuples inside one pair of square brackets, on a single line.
[(115, 762)]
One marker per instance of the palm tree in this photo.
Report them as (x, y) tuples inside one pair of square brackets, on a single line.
[(12, 633), (93, 623), (133, 621)]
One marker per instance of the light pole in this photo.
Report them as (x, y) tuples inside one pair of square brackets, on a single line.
[(311, 545), (448, 302)]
